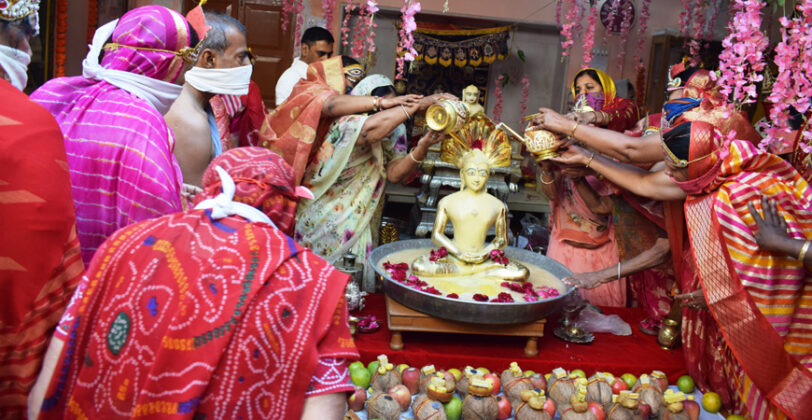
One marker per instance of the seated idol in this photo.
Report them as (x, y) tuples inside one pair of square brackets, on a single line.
[(472, 211), (470, 95)]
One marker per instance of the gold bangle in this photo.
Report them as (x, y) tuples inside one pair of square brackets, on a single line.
[(541, 178), (413, 159), (575, 127), (375, 104), (590, 159), (805, 248)]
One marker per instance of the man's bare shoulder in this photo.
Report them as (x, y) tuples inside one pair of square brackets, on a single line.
[(191, 126)]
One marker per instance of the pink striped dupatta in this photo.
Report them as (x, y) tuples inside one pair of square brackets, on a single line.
[(118, 145)]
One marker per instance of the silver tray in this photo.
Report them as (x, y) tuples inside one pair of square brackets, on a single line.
[(464, 310)]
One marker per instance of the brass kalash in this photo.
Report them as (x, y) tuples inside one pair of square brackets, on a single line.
[(470, 264)]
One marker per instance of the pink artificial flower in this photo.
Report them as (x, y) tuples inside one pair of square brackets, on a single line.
[(525, 96), (589, 36)]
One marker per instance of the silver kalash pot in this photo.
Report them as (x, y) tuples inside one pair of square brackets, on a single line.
[(353, 293)]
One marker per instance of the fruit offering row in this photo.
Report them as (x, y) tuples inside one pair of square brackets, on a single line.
[(384, 391)]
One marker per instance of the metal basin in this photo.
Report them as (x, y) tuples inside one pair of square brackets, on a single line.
[(464, 310)]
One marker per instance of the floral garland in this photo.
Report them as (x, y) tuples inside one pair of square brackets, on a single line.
[(684, 17), (60, 49), (497, 91), (567, 30), (742, 59), (712, 22), (559, 6), (612, 15), (793, 85), (362, 28), (328, 8), (589, 36), (697, 35), (525, 95), (288, 8), (345, 25), (625, 28), (645, 14), (405, 49)]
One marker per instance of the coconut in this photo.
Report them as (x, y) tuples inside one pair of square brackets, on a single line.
[(514, 382), (650, 393), (426, 373), (382, 406), (475, 407), (599, 390), (425, 408), (383, 381), (531, 406), (462, 384), (560, 388)]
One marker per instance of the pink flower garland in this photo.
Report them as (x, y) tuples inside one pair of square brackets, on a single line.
[(297, 35), (793, 85), (612, 16), (288, 8), (697, 35), (589, 36), (363, 27), (742, 59), (345, 25), (625, 27), (406, 40), (525, 95), (328, 8), (645, 14), (497, 91), (712, 22), (559, 6), (566, 31)]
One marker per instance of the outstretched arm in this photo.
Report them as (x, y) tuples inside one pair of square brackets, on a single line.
[(400, 168), (649, 258), (341, 105), (611, 143), (656, 185)]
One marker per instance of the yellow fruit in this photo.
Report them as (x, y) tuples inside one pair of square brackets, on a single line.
[(483, 371), (711, 402), (456, 372)]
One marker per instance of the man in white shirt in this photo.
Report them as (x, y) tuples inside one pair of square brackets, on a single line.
[(317, 45)]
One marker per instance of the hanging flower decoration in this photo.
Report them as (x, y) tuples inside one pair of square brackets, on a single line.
[(288, 8), (60, 49), (328, 8), (525, 96), (405, 49), (567, 31), (645, 13), (363, 26), (697, 34), (712, 22), (793, 85), (559, 6), (625, 28), (589, 36), (684, 19), (297, 35), (742, 59), (345, 25), (612, 16), (497, 91)]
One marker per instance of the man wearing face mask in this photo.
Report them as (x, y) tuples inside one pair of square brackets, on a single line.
[(119, 147), (317, 45), (223, 67), (39, 252)]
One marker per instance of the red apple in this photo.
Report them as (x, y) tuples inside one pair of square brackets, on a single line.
[(692, 408), (619, 385), (497, 384), (357, 399), (402, 395), (549, 407), (645, 410), (660, 379), (597, 410), (411, 378), (538, 381), (504, 407)]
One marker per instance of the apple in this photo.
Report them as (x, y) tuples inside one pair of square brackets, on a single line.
[(402, 395), (401, 367), (456, 372), (356, 364), (547, 376), (645, 410), (360, 377), (735, 417), (411, 378), (619, 385), (504, 407), (372, 367), (453, 408), (483, 370), (597, 410), (692, 409), (549, 407), (538, 381), (497, 384), (578, 372), (527, 373), (629, 379), (357, 399)]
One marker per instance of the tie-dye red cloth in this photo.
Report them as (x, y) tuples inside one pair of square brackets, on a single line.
[(185, 316)]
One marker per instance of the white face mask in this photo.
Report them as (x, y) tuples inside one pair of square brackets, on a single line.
[(232, 81), (15, 64)]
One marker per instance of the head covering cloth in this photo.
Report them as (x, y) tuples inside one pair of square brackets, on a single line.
[(607, 85)]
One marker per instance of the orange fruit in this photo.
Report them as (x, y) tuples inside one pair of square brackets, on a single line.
[(711, 402)]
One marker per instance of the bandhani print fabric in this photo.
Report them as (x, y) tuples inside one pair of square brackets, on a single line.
[(199, 318)]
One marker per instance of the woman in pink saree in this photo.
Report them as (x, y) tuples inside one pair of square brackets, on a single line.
[(118, 145)]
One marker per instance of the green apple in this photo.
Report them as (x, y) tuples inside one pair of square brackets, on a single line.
[(579, 372), (629, 379), (453, 408), (372, 367), (529, 373), (686, 384), (360, 377), (401, 367), (356, 365)]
